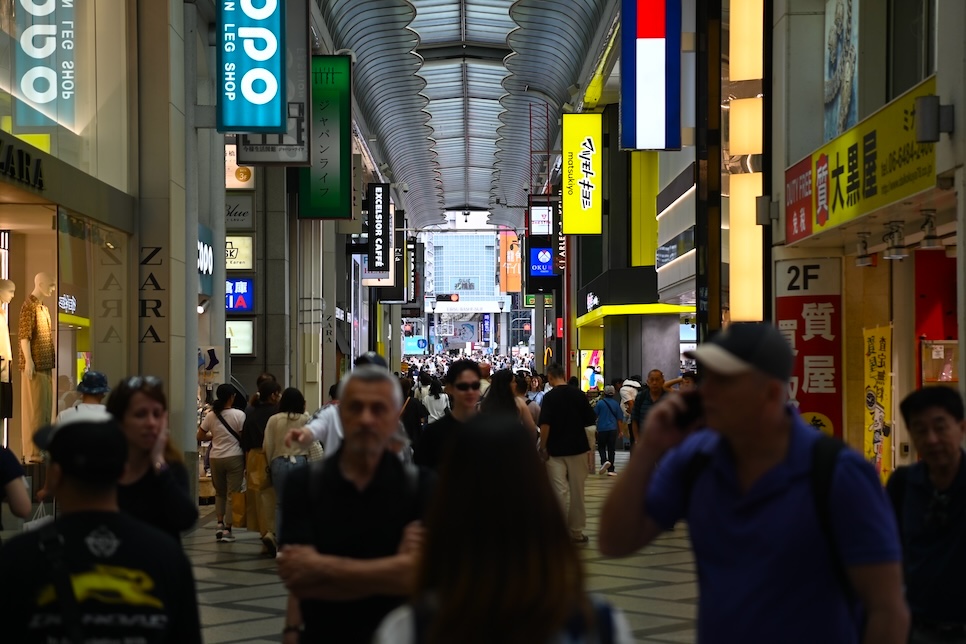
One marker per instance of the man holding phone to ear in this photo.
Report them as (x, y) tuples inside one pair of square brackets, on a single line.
[(742, 476)]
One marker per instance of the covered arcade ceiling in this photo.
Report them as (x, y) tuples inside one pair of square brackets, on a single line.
[(459, 97)]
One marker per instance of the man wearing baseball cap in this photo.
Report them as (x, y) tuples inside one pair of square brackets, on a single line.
[(129, 581), (92, 387), (742, 476)]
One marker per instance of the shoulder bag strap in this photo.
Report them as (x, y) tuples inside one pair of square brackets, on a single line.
[(52, 545), (228, 427), (401, 411), (825, 456)]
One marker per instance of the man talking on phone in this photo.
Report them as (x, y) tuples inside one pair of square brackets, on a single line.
[(791, 544)]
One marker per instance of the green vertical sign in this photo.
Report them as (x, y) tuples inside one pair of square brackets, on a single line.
[(325, 188)]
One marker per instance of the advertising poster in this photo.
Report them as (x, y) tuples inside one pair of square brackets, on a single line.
[(592, 369), (841, 66), (877, 445), (465, 332), (808, 308), (510, 262)]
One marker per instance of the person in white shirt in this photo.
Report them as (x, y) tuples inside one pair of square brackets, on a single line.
[(93, 387)]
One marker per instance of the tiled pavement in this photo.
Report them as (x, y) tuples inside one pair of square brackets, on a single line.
[(242, 600)]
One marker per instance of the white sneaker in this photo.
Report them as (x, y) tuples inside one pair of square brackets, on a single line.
[(604, 467), (226, 537), (612, 474)]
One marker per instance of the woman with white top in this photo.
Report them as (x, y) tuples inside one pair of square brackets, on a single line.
[(284, 458), (436, 401), (223, 427)]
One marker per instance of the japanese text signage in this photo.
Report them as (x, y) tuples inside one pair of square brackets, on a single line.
[(487, 328), (510, 277), (251, 66), (876, 163), (380, 231), (325, 188), (45, 72), (240, 295), (808, 307), (292, 146), (541, 218), (582, 168), (877, 437)]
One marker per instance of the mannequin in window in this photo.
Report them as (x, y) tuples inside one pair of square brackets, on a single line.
[(7, 290), (37, 364)]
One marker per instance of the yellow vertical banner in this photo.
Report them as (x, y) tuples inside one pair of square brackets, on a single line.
[(583, 194), (878, 399)]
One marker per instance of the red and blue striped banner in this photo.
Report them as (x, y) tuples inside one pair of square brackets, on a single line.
[(651, 74)]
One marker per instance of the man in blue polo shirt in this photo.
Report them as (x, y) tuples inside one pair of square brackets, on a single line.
[(930, 502), (766, 571)]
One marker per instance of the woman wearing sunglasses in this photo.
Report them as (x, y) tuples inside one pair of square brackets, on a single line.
[(154, 487), (463, 386)]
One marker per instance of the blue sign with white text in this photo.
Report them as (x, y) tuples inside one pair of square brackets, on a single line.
[(541, 262), (45, 72), (240, 295), (251, 66)]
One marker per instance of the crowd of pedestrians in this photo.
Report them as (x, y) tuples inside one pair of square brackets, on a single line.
[(448, 506)]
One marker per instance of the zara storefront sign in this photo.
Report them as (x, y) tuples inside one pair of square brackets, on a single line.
[(251, 66), (44, 66), (17, 164)]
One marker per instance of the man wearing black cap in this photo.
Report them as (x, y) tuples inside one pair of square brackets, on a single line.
[(779, 561), (94, 574)]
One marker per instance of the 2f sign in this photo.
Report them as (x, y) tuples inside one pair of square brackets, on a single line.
[(251, 66), (808, 277)]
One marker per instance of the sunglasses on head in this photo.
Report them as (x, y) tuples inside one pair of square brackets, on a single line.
[(466, 386), (137, 382)]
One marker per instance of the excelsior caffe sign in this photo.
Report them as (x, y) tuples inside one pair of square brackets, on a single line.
[(380, 257), (868, 167)]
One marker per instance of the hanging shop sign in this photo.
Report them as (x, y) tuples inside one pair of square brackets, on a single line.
[(541, 262), (560, 239), (510, 277), (237, 177), (325, 188), (486, 328), (241, 337), (67, 303), (251, 66), (877, 399), (206, 260), (240, 295), (380, 231), (808, 307), (239, 211), (530, 300), (541, 219), (45, 73), (291, 147), (239, 253), (875, 164), (582, 170), (651, 75)]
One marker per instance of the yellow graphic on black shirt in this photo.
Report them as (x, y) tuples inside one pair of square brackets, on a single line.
[(108, 584)]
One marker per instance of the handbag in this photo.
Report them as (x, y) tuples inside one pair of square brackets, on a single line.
[(256, 465), (39, 519), (316, 453)]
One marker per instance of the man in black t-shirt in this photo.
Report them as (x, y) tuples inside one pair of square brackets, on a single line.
[(564, 414), (130, 581), (351, 523)]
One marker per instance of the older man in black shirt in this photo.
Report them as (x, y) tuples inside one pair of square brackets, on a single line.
[(357, 518), (564, 414)]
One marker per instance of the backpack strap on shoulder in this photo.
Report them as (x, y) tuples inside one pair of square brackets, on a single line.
[(825, 455)]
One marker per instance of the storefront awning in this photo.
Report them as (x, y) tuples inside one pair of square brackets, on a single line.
[(598, 314)]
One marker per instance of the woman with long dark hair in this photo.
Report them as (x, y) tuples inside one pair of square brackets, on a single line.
[(520, 579), (283, 458), (501, 398), (520, 387), (154, 487), (223, 426), (436, 401)]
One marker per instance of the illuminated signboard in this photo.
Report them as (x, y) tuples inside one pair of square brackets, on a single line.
[(651, 75), (582, 174), (251, 66), (240, 295), (541, 262), (239, 253), (541, 218), (45, 72), (241, 337)]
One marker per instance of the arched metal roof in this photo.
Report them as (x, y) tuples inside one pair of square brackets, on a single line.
[(449, 88)]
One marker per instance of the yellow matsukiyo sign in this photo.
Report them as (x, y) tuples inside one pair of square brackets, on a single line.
[(583, 195), (872, 165)]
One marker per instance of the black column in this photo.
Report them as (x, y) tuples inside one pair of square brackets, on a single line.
[(708, 150), (617, 201)]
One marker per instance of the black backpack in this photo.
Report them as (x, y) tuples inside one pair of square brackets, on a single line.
[(825, 454)]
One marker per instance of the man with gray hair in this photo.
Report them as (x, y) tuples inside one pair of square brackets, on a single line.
[(351, 524)]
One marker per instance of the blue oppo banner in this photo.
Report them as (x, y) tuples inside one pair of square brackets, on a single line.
[(251, 66), (44, 69)]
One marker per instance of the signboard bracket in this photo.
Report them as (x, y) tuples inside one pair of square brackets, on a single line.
[(205, 117)]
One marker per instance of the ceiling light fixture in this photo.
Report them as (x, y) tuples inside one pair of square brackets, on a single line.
[(931, 241), (864, 259), (895, 239)]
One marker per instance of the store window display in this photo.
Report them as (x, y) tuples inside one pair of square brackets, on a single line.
[(7, 290), (37, 359)]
